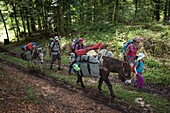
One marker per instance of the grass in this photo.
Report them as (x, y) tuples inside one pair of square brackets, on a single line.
[(127, 94), (31, 95)]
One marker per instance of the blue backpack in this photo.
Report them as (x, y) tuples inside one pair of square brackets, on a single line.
[(125, 45), (73, 45)]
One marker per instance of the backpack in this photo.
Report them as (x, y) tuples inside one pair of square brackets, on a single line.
[(125, 45), (133, 68), (74, 43), (50, 41), (54, 45)]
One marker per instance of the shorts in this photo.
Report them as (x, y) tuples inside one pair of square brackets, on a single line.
[(131, 61), (56, 57)]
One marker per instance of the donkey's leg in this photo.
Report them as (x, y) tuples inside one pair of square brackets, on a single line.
[(105, 76), (103, 72), (100, 84), (79, 79), (110, 87)]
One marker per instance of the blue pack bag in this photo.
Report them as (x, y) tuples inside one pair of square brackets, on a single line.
[(125, 45)]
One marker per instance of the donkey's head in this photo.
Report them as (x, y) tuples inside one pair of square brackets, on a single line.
[(41, 54), (126, 71)]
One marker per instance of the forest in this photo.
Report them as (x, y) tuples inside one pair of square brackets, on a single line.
[(110, 22)]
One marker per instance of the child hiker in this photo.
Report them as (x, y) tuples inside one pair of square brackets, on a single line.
[(72, 60), (138, 69)]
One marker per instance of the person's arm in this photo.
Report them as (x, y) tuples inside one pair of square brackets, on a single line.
[(134, 73), (59, 48), (76, 47), (127, 50), (51, 45)]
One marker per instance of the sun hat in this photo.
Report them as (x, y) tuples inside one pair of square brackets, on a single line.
[(56, 38), (140, 56), (72, 54), (80, 39)]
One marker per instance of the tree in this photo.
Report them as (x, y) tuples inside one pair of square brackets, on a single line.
[(4, 24)]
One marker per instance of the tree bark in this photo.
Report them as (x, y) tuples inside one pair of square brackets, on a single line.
[(116, 11), (28, 23), (23, 22), (166, 11), (110, 10), (157, 9), (4, 24), (10, 19), (136, 7), (81, 13), (16, 21)]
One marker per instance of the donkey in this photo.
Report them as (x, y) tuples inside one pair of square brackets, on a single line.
[(110, 65), (38, 54)]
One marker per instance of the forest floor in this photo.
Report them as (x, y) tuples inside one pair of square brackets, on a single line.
[(26, 90)]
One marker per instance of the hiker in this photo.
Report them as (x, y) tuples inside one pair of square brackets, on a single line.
[(137, 71), (75, 41), (131, 50), (72, 61), (80, 44), (55, 52), (49, 43)]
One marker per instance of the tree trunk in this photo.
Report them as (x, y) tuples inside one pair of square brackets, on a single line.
[(23, 22), (16, 21), (166, 11), (59, 21), (33, 28), (81, 13), (110, 10), (89, 12), (116, 11), (28, 23), (4, 24), (136, 7), (157, 9)]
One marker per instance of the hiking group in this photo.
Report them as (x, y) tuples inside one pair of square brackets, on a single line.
[(130, 49)]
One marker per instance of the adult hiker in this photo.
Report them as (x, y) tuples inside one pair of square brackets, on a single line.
[(131, 51), (79, 45), (55, 52)]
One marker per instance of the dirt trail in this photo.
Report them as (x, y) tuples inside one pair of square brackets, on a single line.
[(14, 85)]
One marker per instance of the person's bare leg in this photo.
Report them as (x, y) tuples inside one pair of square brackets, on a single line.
[(59, 64)]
